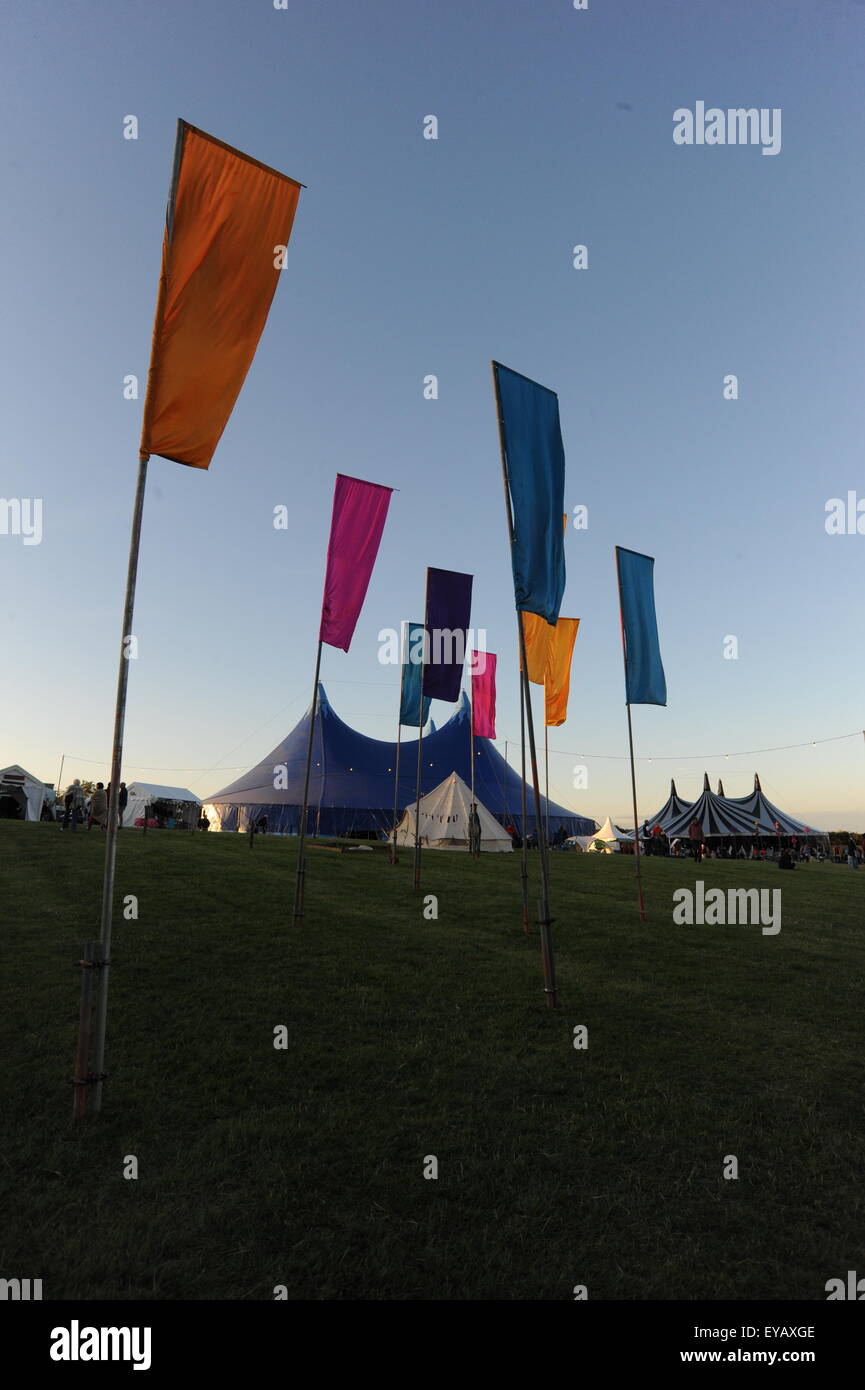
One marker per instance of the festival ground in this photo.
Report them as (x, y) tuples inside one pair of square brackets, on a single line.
[(408, 1038)]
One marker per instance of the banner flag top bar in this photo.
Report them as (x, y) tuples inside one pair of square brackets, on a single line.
[(227, 229)]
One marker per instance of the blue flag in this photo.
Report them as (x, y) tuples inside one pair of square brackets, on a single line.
[(410, 696), (644, 674), (535, 457), (448, 614)]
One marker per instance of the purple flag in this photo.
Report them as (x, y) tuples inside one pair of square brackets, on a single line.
[(359, 514), (448, 614)]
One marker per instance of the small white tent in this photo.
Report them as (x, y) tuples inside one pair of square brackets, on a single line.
[(444, 821), (19, 785), (606, 840), (142, 795)]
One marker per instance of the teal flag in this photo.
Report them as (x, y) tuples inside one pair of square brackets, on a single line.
[(645, 683), (412, 649), (535, 458)]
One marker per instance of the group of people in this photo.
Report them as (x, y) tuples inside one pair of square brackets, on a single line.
[(92, 810), (557, 840)]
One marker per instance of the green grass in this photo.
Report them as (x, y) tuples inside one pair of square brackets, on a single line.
[(409, 1037)]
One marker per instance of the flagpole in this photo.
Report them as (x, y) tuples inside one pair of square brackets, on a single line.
[(301, 842), (636, 820), (420, 742), (472, 756), (104, 960), (393, 854), (524, 853), (546, 770), (545, 921), (631, 747)]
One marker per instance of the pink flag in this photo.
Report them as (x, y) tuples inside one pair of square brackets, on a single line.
[(483, 695), (359, 513)]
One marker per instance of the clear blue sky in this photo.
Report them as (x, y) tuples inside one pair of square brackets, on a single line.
[(410, 257)]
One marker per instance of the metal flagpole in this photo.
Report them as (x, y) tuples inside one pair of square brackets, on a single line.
[(473, 849), (420, 742), (544, 919), (60, 778), (524, 860), (403, 634), (103, 962), (636, 821), (301, 841), (323, 770), (631, 746), (546, 770), (104, 958)]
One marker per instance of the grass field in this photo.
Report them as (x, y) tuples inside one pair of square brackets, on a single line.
[(410, 1037)]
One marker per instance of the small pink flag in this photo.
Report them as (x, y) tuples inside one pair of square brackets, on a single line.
[(359, 514), (483, 694)]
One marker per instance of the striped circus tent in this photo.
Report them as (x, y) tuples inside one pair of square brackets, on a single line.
[(724, 816), (761, 809), (673, 807)]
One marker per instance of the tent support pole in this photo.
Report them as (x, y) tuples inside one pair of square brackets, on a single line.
[(101, 1019), (301, 838)]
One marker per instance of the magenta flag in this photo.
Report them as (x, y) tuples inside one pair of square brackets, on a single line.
[(483, 695), (359, 514)]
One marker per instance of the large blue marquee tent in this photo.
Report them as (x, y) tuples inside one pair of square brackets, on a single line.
[(352, 776)]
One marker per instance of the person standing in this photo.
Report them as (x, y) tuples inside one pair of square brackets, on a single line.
[(474, 832), (851, 853), (122, 798), (696, 833), (75, 803), (98, 808)]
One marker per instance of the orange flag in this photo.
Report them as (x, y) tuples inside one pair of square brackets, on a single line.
[(539, 638), (226, 233), (538, 634), (557, 681)]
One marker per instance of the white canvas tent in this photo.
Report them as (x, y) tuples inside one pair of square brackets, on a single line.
[(609, 835), (444, 821), (21, 786), (142, 795)]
